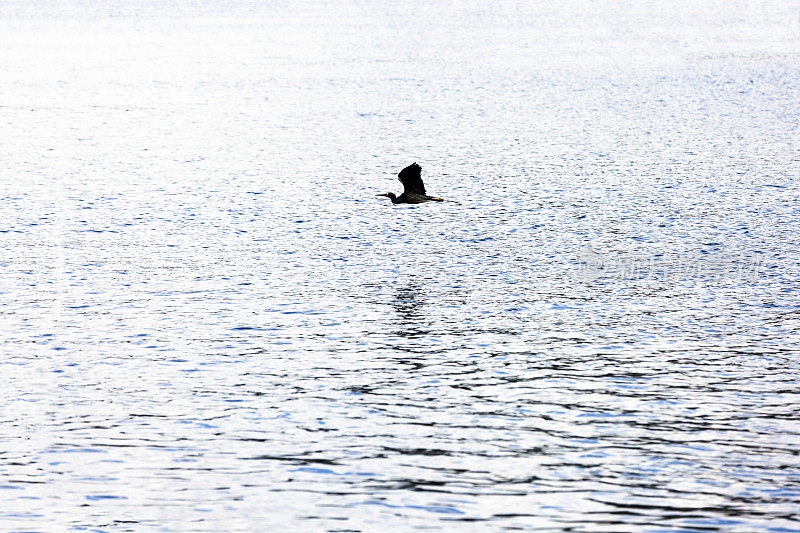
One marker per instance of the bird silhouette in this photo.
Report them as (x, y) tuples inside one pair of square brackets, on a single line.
[(413, 188)]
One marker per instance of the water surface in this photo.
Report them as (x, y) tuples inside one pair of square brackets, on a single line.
[(209, 321)]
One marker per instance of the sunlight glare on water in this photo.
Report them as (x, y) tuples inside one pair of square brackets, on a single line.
[(211, 323)]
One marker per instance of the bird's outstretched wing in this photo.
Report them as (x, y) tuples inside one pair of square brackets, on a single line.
[(411, 179)]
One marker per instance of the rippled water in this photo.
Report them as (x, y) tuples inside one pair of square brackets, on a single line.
[(209, 321)]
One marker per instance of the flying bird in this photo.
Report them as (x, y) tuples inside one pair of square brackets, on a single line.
[(413, 188)]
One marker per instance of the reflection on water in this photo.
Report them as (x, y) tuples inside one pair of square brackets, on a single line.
[(211, 323), (409, 304)]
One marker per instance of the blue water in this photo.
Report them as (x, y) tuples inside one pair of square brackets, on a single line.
[(211, 323)]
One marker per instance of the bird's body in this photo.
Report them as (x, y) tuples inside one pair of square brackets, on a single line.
[(410, 198), (413, 188)]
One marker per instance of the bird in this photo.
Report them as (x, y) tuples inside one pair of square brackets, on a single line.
[(413, 188)]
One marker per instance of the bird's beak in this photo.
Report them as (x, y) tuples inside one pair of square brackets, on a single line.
[(384, 195)]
